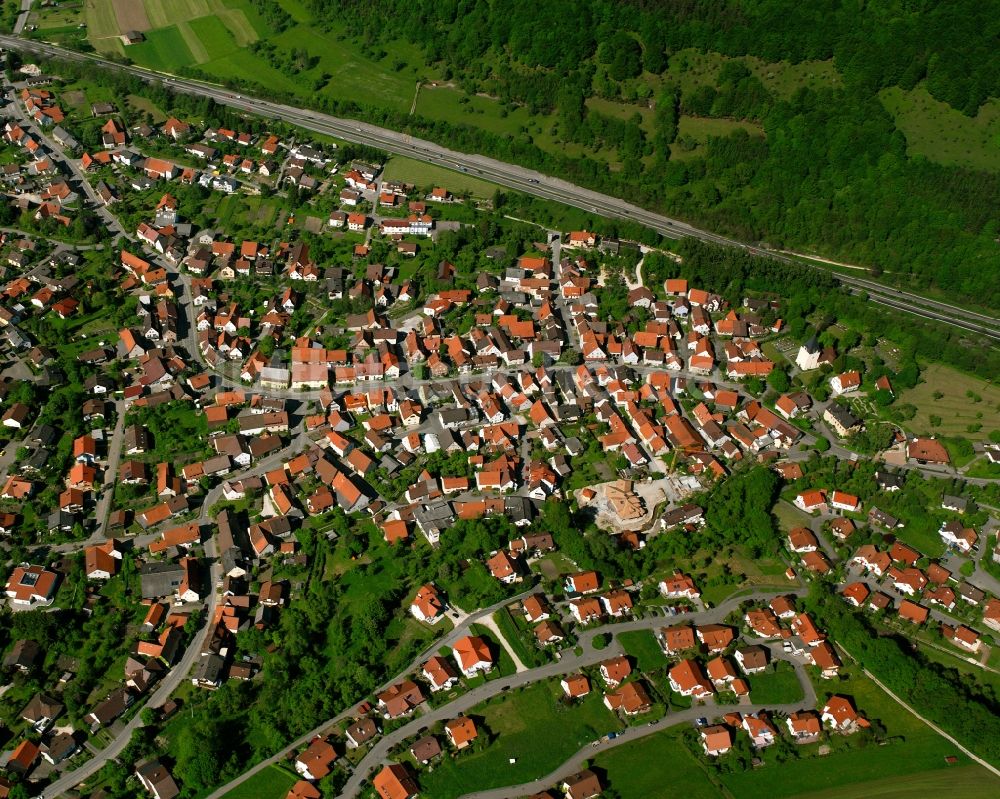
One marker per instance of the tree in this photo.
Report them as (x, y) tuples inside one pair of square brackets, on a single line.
[(203, 753), (739, 510), (622, 55), (778, 380)]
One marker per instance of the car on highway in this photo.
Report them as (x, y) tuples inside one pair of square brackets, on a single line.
[(532, 180)]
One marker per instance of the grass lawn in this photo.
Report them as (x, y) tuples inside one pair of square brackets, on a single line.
[(777, 687), (914, 749), (701, 129), (943, 134), (57, 18), (146, 106), (690, 68), (424, 175), (790, 517), (518, 637), (983, 468), (532, 727), (270, 783), (453, 105), (641, 644), (955, 409), (630, 776), (763, 573), (625, 111), (921, 532)]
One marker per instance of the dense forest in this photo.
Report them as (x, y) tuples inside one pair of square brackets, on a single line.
[(832, 171)]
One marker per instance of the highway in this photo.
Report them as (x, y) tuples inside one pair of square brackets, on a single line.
[(515, 177)]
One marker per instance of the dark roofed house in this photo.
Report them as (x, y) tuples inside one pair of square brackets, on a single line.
[(23, 656), (111, 708), (582, 785), (425, 749), (971, 594), (841, 420), (360, 732), (160, 579), (59, 747), (41, 711), (208, 671), (156, 779)]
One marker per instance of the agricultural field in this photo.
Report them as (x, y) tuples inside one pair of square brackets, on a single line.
[(958, 782), (955, 410), (165, 50), (515, 720), (272, 782), (213, 35), (942, 134), (424, 175)]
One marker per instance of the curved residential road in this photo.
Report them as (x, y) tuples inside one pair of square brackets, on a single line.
[(520, 178), (630, 735), (461, 629), (193, 652), (568, 663)]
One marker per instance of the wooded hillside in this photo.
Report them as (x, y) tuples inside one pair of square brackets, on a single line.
[(831, 172)]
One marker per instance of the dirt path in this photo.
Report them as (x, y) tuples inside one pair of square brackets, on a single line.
[(830, 261), (416, 94), (492, 626)]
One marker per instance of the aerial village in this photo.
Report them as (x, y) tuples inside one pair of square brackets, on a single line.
[(231, 397)]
